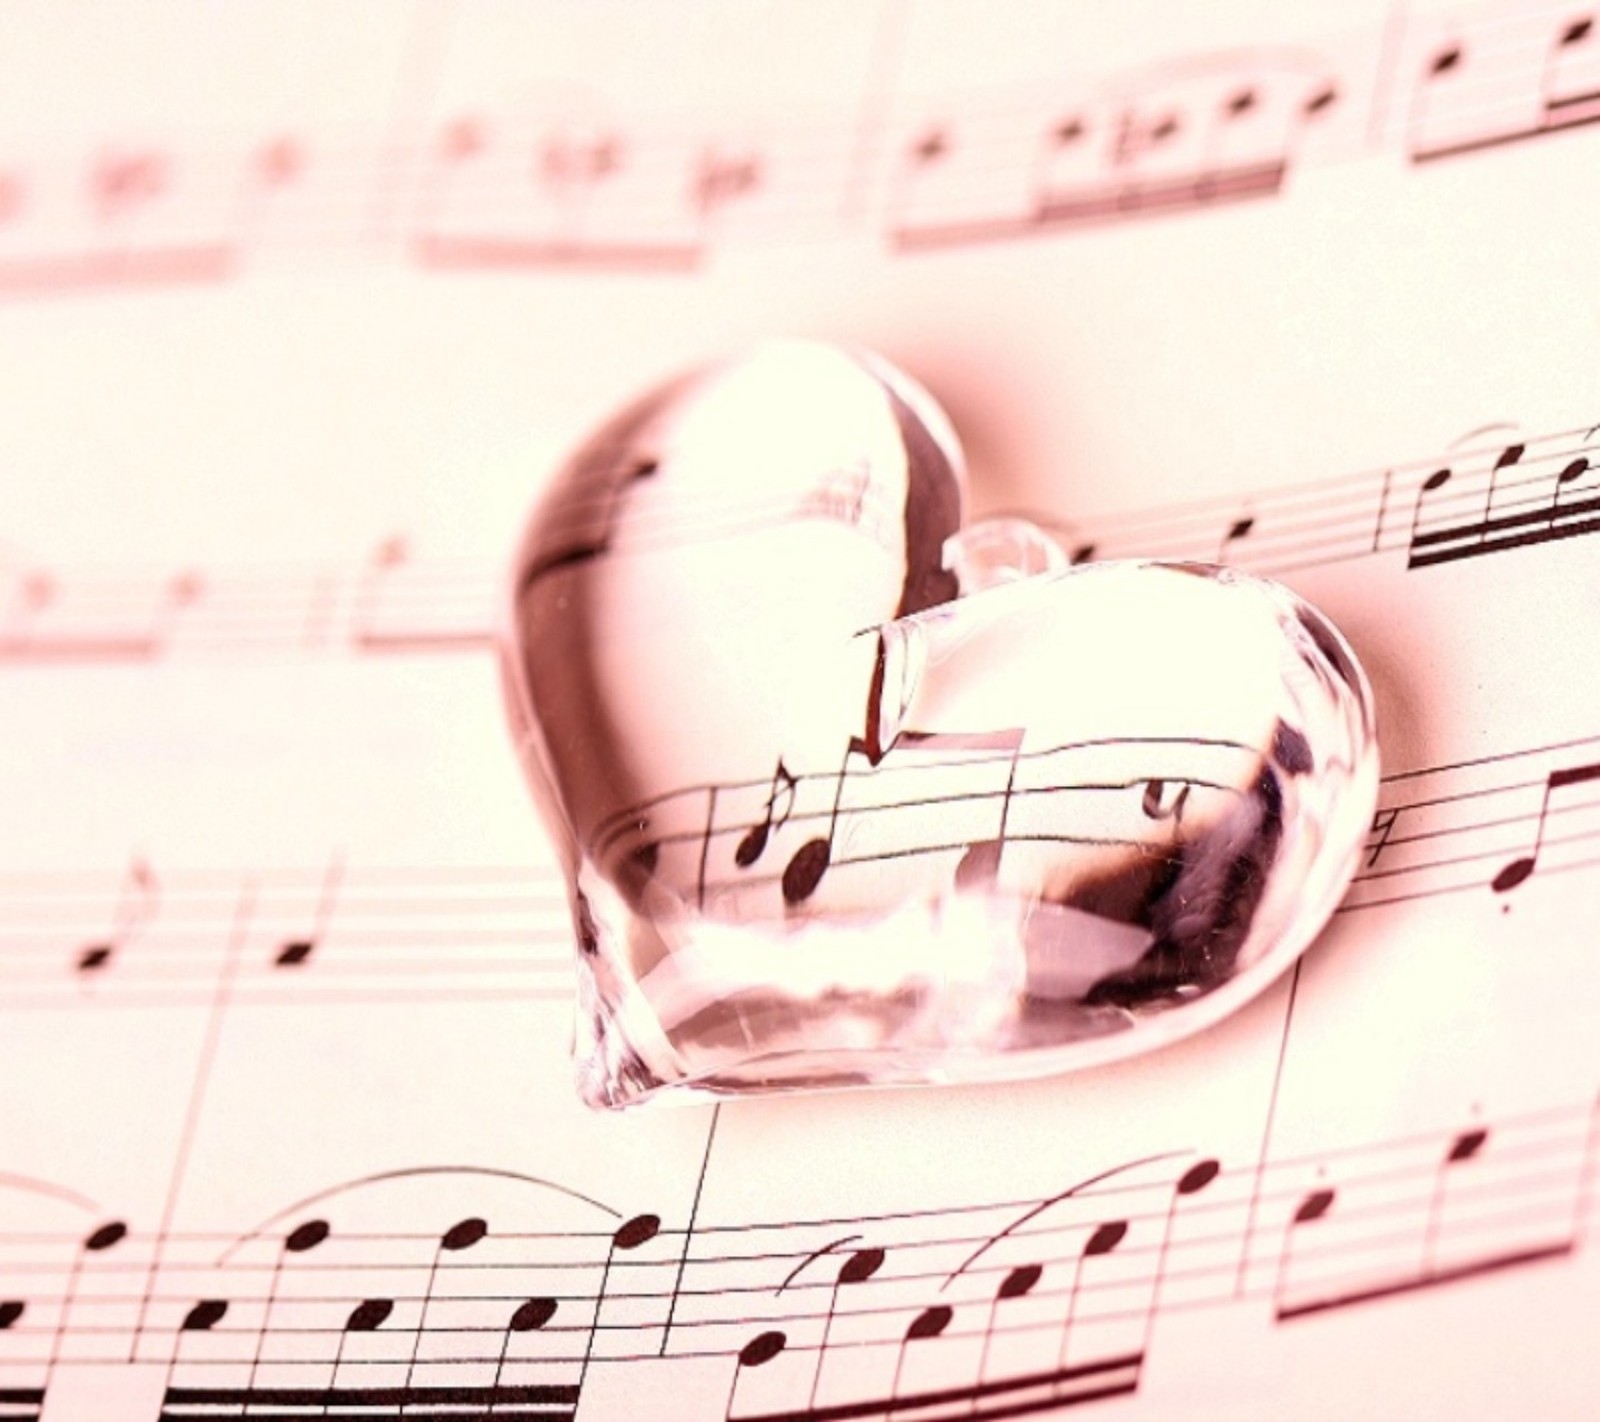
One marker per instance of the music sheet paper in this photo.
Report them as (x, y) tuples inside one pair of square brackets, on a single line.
[(298, 305)]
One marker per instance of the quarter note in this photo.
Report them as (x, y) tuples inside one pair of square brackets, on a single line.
[(295, 952), (137, 905)]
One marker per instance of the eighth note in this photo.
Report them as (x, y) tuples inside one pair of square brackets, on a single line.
[(1519, 870), (754, 844)]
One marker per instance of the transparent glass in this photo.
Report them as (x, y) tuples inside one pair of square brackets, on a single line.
[(849, 793)]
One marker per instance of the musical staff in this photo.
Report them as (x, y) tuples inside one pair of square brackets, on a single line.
[(1487, 498), (341, 1303), (1505, 80), (501, 188), (360, 933)]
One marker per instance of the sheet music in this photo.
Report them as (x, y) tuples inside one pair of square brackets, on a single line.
[(298, 305)]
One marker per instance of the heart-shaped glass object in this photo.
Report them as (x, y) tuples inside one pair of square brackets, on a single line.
[(850, 793)]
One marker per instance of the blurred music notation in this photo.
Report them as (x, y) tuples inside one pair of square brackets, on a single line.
[(147, 935), (1483, 496), (503, 190), (432, 1290)]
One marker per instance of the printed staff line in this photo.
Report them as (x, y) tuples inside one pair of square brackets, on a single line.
[(1175, 1277), (1179, 1296), (450, 195), (1376, 875), (1507, 1175), (1519, 1253), (399, 605), (1442, 890)]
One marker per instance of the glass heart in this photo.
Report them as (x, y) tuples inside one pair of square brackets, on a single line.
[(850, 793)]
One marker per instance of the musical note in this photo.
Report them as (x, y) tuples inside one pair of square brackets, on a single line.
[(980, 859), (1104, 1238), (296, 952), (1526, 1241), (1239, 528), (459, 1237), (858, 1267), (302, 1239), (930, 1323), (757, 1353), (754, 844), (98, 1241), (721, 179), (592, 197), (629, 1236), (1017, 1283), (1519, 870), (137, 905), (1553, 78)]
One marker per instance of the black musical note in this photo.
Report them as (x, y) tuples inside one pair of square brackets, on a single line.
[(1556, 108), (630, 1235), (1428, 1271), (1310, 1209), (459, 1237), (1193, 1180), (296, 952), (97, 1241), (204, 1316), (1105, 1238), (137, 905), (720, 179), (980, 861), (1017, 1283), (930, 1323), (1519, 870), (754, 844), (857, 1268), (1239, 529), (757, 1353)]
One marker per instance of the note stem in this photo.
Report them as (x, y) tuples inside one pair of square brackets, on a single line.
[(1105, 1238), (857, 1269), (1310, 1209), (930, 1323), (641, 1229), (107, 1236), (302, 1238), (457, 1238), (1463, 1148), (1518, 871), (1191, 1182)]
